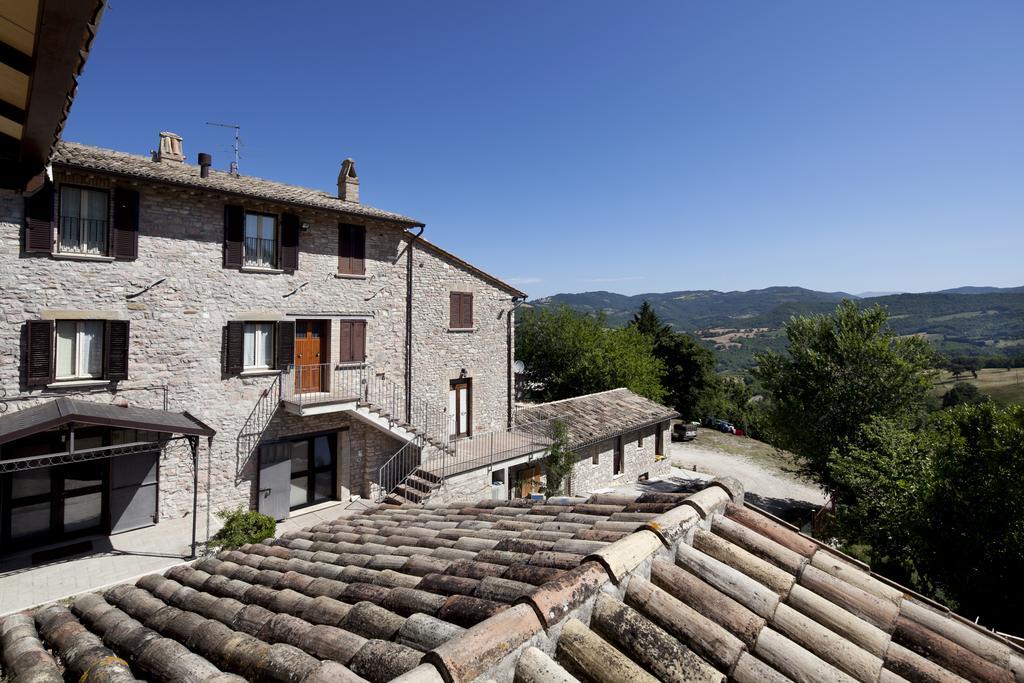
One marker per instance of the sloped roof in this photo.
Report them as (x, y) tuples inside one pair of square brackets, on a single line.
[(664, 586), (595, 417), (62, 411), (78, 156)]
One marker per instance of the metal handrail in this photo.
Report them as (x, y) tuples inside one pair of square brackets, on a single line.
[(260, 252), (490, 447), (399, 467), (256, 423), (82, 235)]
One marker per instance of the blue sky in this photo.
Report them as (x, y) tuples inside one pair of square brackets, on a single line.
[(575, 146)]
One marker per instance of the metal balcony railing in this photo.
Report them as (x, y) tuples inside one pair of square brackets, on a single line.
[(82, 236), (260, 252), (491, 447)]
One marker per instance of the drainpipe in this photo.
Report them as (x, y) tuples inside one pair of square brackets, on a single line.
[(508, 346), (408, 325)]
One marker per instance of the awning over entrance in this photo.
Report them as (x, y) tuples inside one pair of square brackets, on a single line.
[(64, 411)]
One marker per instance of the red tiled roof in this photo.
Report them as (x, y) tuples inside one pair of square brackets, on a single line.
[(662, 586)]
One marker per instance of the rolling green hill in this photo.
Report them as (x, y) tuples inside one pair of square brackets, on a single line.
[(968, 321)]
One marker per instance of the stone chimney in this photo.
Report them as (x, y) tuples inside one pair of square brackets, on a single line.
[(348, 182), (170, 148)]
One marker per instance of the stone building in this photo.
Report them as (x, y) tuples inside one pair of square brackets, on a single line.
[(316, 335)]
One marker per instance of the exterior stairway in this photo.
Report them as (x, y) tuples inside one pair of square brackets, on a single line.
[(416, 488)]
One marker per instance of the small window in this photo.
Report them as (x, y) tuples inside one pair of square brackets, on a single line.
[(595, 459), (351, 249), (83, 221), (259, 346), (353, 341), (79, 349), (619, 461), (640, 440), (460, 315), (260, 250)]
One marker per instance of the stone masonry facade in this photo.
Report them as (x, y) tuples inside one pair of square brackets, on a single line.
[(176, 326)]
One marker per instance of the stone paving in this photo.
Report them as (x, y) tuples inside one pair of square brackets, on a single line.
[(125, 556)]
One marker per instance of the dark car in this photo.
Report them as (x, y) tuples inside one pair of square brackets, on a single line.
[(684, 432)]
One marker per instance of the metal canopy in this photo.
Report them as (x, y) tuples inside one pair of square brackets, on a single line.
[(66, 411)]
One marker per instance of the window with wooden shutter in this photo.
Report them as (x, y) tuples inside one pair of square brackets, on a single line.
[(288, 254), (124, 233), (285, 344), (39, 357), (351, 249), (234, 235), (353, 341), (234, 348), (460, 313), (116, 362), (39, 220)]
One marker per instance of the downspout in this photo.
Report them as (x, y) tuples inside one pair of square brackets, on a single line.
[(508, 348), (408, 325)]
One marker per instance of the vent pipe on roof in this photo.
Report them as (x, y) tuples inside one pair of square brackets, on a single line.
[(205, 161), (170, 149), (348, 182)]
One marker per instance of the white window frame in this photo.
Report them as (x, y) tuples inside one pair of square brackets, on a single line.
[(261, 229), (83, 209), (259, 351), (80, 362)]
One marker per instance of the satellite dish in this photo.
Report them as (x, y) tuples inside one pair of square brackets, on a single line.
[(519, 367)]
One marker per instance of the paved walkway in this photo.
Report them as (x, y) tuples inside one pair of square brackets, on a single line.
[(123, 557)]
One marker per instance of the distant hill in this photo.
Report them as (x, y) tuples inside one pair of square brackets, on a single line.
[(967, 321)]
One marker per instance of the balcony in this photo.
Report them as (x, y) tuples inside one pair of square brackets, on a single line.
[(323, 387)]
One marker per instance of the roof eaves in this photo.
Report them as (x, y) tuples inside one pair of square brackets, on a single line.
[(476, 271)]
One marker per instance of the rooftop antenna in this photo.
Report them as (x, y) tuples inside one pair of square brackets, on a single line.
[(235, 146)]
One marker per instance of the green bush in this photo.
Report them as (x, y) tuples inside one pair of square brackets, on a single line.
[(242, 526)]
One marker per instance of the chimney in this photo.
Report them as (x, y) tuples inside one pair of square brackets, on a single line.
[(170, 148), (348, 182), (205, 161)]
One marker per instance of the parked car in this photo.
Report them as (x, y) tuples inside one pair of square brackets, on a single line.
[(684, 432)]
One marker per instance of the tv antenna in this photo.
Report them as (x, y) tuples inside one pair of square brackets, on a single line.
[(235, 146)]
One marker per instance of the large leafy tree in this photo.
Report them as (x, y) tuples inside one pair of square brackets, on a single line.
[(838, 373), (568, 354)]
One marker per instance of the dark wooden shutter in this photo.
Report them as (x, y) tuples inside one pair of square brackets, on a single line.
[(351, 249), (40, 220), (116, 343), (40, 352), (467, 310), (359, 340), (454, 309), (345, 355), (285, 344), (288, 254), (125, 225), (234, 348), (234, 235)]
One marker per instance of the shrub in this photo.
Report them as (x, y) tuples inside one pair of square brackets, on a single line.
[(242, 526)]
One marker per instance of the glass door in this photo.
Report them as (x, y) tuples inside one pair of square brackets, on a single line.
[(314, 468)]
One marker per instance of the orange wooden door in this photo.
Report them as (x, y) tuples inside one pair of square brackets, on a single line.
[(308, 357), (528, 481)]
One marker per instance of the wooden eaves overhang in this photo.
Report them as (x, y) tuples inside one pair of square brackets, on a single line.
[(44, 45)]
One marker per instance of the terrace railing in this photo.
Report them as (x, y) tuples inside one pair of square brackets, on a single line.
[(491, 447), (398, 467)]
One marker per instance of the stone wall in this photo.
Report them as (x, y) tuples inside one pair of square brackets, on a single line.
[(638, 459), (176, 326)]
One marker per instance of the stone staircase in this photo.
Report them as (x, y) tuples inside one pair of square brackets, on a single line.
[(416, 488)]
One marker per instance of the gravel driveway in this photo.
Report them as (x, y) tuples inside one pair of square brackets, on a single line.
[(771, 488)]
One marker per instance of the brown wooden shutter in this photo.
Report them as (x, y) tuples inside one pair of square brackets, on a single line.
[(40, 220), (39, 343), (467, 310), (345, 354), (351, 249), (359, 341), (358, 249), (288, 254), (124, 232), (454, 309), (234, 235), (234, 348), (285, 344), (116, 347)]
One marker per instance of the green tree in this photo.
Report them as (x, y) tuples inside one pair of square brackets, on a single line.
[(568, 354), (838, 373), (558, 460), (962, 392), (649, 323)]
